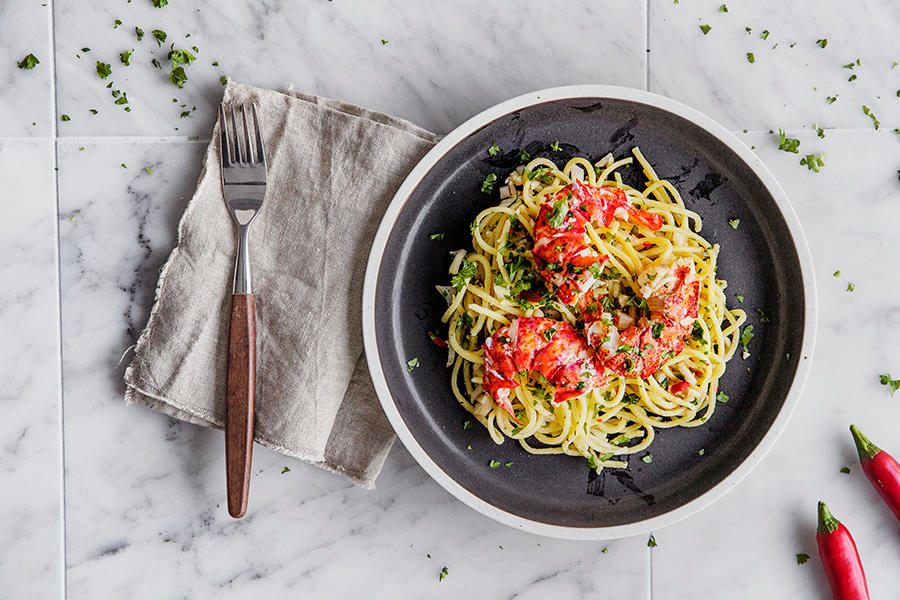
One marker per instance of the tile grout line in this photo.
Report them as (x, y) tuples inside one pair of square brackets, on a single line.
[(647, 45), (54, 110)]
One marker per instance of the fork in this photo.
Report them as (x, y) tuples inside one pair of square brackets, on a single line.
[(244, 188)]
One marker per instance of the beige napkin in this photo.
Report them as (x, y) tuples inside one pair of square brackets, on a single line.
[(332, 170)]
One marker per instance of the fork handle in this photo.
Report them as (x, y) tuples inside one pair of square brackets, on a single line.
[(239, 411)]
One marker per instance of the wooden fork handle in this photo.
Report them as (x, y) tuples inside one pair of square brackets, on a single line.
[(239, 411)]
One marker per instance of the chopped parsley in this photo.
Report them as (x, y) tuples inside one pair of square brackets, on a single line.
[(494, 464), (508, 466), (155, 62), (813, 162), (894, 384), (819, 131), (224, 80), (697, 331), (125, 57), (647, 459), (721, 397), (160, 3), (748, 30), (853, 77), (705, 29), (620, 439), (746, 336), (723, 8), (467, 424), (139, 33), (94, 111), (787, 144), (822, 43), (103, 69), (559, 213), (285, 470), (831, 99), (845, 470), (465, 273), (740, 298), (734, 223), (651, 543), (555, 146), (631, 399), (802, 558), (701, 452), (764, 34), (437, 236), (149, 170), (412, 364), (762, 316), (494, 149), (65, 117), (850, 287), (384, 42), (487, 186), (871, 115), (181, 57), (160, 36), (29, 62), (657, 329), (837, 273), (524, 157), (592, 462), (548, 335), (178, 77), (116, 23), (443, 574), (751, 58)]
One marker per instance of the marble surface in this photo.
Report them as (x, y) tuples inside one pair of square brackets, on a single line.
[(140, 495)]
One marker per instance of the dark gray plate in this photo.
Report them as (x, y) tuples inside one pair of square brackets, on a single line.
[(759, 260)]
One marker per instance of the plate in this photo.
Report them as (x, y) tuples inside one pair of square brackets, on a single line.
[(766, 260)]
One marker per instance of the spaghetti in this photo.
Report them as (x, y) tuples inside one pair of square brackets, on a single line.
[(631, 271)]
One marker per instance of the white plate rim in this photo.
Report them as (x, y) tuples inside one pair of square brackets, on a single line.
[(572, 92)]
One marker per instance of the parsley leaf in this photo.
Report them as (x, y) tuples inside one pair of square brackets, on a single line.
[(813, 162), (657, 329), (508, 465), (64, 117), (103, 69), (734, 223), (181, 57), (494, 149), (831, 99), (29, 62), (894, 384), (802, 558), (723, 8), (465, 273), (487, 186), (139, 33), (555, 146), (746, 336), (721, 397), (592, 462), (647, 459), (159, 35), (559, 213), (443, 574), (787, 144), (178, 77), (651, 543), (871, 115), (764, 34), (437, 236), (412, 364), (125, 57), (116, 23), (160, 3), (819, 131), (822, 43), (845, 470), (705, 29), (762, 316), (525, 157), (467, 424), (740, 298), (837, 273), (285, 470), (494, 464), (751, 58), (850, 287)]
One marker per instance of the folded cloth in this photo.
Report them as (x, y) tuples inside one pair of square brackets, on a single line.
[(332, 170)]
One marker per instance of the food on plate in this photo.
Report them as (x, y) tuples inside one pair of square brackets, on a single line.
[(587, 313)]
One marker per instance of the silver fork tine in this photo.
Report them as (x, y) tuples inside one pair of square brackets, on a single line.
[(249, 145), (260, 153), (226, 143), (238, 157)]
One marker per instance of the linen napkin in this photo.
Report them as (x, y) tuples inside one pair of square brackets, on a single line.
[(332, 170)]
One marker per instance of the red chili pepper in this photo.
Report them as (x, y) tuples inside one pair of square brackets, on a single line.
[(679, 387), (840, 558), (881, 468), (437, 340)]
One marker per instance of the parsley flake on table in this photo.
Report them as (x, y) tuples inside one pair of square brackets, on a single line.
[(467, 424), (850, 287), (701, 452), (647, 459), (822, 43), (94, 111), (160, 36), (29, 62), (853, 77), (285, 470), (443, 574), (64, 117), (845, 470), (740, 298), (224, 80), (437, 236), (813, 162), (748, 30), (787, 144), (734, 223), (765, 34), (819, 131), (651, 543), (123, 99), (723, 8), (139, 33), (894, 384), (116, 23), (868, 112), (149, 170), (412, 364), (103, 69), (555, 146), (487, 186), (837, 273), (705, 29), (494, 149), (125, 57), (802, 558), (751, 58), (762, 316), (177, 76), (494, 464), (831, 99), (160, 3), (508, 466), (384, 42), (181, 57), (605, 550)]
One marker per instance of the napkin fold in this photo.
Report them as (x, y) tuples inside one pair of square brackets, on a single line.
[(332, 170)]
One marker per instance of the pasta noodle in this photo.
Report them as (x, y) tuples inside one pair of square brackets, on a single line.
[(490, 283)]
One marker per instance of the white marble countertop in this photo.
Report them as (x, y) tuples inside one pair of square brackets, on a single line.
[(105, 501)]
